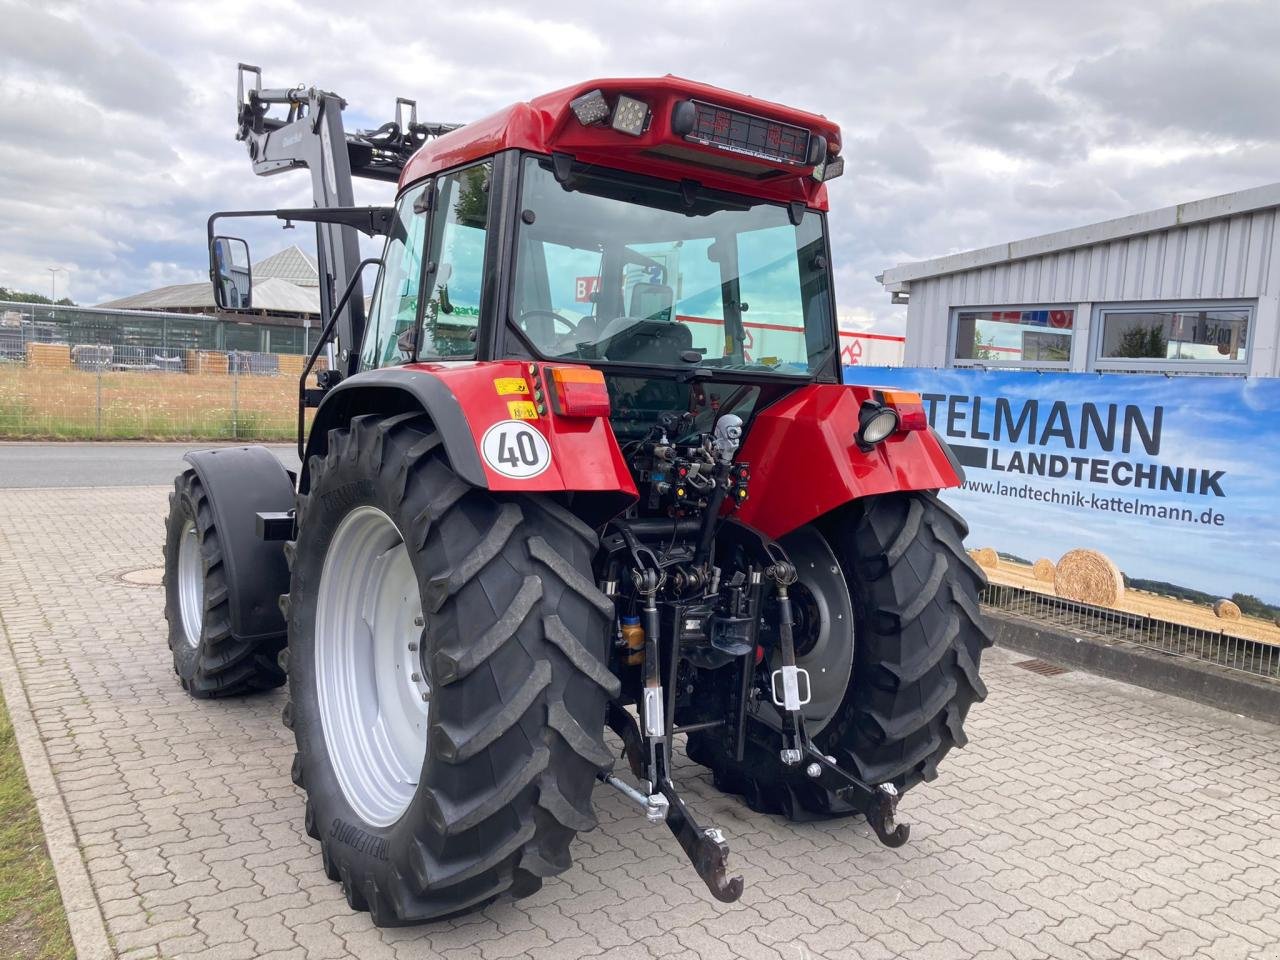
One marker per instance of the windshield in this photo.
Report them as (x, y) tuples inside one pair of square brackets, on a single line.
[(641, 271)]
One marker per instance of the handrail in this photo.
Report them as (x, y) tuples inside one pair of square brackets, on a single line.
[(325, 333)]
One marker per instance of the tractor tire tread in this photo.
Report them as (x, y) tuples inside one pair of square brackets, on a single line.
[(509, 584), (223, 664)]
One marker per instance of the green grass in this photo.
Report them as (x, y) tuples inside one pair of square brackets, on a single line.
[(249, 425), (33, 925)]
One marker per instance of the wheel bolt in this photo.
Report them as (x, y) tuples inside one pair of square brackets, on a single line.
[(417, 678), (417, 621), (426, 697), (813, 770), (413, 647)]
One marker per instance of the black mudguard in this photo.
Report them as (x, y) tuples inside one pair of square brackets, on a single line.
[(242, 482), (391, 390)]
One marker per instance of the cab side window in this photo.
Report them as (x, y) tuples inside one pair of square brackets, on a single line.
[(394, 307), (451, 313)]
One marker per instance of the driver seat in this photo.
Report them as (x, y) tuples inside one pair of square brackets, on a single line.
[(659, 338)]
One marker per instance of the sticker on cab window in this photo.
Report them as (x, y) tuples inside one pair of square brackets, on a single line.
[(516, 450)]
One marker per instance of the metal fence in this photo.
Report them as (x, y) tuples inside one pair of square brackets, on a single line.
[(1257, 658), (81, 372)]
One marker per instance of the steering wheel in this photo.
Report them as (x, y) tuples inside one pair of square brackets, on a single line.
[(522, 323)]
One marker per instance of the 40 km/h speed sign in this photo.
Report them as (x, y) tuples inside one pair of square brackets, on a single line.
[(515, 449)]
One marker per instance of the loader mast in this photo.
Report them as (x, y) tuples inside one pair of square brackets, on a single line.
[(311, 135)]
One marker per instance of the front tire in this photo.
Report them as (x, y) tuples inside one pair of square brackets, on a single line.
[(511, 638), (208, 659), (917, 638)]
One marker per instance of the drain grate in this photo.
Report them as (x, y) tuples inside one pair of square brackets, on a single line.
[(1042, 667)]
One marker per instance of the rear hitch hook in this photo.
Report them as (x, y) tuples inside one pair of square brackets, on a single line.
[(705, 848), (881, 817)]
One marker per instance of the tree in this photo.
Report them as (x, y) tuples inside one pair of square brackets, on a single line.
[(1143, 342), (21, 296), (1251, 606), (983, 349)]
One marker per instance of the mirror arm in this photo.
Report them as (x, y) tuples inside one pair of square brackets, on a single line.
[(325, 333), (371, 221)]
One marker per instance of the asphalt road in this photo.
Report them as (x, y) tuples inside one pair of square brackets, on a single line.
[(40, 464)]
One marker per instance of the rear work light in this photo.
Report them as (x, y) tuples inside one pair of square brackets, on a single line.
[(892, 411), (579, 392), (876, 423), (628, 115), (590, 108)]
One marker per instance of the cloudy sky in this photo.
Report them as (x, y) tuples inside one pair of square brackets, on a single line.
[(965, 123)]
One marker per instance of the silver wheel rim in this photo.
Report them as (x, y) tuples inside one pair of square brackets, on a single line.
[(822, 590), (190, 583), (373, 694)]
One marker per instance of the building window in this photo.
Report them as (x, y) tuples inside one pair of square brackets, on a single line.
[(1179, 337), (1014, 337)]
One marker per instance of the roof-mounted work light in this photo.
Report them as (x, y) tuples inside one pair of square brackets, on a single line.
[(630, 115), (831, 168), (590, 108)]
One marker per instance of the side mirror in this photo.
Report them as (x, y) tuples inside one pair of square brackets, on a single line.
[(229, 270)]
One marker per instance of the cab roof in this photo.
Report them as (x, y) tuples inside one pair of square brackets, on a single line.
[(548, 124)]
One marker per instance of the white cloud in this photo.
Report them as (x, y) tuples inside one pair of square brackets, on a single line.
[(965, 125)]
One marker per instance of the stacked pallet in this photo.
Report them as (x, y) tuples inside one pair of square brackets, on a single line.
[(50, 356), (204, 361)]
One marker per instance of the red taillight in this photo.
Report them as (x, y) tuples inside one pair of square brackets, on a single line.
[(910, 408), (579, 392)]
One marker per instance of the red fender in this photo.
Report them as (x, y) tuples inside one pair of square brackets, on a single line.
[(583, 452), (805, 461)]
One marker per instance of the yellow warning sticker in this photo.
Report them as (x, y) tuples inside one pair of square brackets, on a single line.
[(522, 410), (509, 385)]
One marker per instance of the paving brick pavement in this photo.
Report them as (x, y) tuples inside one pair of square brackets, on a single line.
[(1086, 820)]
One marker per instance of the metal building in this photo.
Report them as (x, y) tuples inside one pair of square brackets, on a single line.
[(1193, 288)]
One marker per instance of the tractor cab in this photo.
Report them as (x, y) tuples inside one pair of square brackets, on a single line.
[(668, 234)]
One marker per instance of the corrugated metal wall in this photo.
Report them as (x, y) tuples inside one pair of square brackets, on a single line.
[(1231, 258)]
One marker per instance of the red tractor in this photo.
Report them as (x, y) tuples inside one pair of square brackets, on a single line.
[(587, 460)]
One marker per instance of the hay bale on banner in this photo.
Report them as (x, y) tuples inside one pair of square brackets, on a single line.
[(985, 557), (1226, 610), (1043, 569), (1089, 577)]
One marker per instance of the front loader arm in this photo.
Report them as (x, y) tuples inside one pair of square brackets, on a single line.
[(311, 135)]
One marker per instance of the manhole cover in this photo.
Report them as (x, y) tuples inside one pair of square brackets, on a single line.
[(1042, 667), (146, 577)]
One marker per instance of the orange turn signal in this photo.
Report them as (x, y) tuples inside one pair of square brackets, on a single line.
[(910, 408), (579, 392)]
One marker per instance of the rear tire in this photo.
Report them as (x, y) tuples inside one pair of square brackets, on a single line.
[(512, 657), (918, 638), (208, 659)]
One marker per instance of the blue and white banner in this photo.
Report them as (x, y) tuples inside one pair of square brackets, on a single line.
[(1175, 479)]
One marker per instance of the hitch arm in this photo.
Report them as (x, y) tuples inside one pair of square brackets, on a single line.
[(705, 848), (879, 804)]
